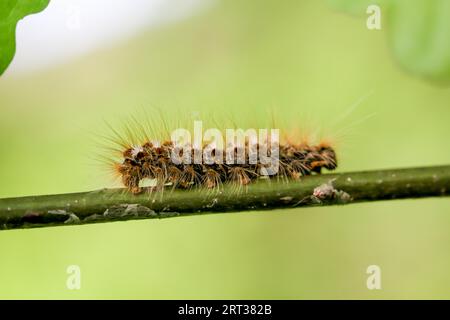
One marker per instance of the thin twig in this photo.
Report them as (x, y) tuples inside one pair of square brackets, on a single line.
[(328, 189)]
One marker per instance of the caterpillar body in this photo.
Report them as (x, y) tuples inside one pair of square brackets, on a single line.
[(153, 161)]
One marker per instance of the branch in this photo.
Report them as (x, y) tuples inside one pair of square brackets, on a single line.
[(328, 189)]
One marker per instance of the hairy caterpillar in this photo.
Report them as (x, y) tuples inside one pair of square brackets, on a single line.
[(153, 160)]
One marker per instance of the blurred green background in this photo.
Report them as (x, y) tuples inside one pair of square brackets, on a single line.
[(296, 57)]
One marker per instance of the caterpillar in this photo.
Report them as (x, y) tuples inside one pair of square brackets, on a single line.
[(152, 160)]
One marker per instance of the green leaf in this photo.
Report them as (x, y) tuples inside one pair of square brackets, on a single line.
[(418, 33), (11, 11)]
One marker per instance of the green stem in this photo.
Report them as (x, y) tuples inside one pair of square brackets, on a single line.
[(327, 189)]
